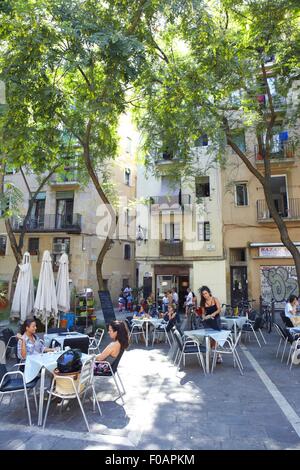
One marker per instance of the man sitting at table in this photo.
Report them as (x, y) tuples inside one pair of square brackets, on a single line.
[(291, 310), (28, 342)]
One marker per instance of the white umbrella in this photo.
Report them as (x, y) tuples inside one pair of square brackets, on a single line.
[(22, 303), (45, 305), (62, 284)]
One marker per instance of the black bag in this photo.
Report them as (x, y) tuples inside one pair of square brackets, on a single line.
[(69, 361)]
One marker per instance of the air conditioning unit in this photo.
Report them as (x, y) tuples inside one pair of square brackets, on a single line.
[(59, 248)]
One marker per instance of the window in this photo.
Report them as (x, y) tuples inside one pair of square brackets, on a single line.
[(64, 209), (128, 145), (127, 174), (241, 194), (172, 232), (167, 155), (204, 231), (3, 240), (238, 137), (125, 283), (38, 210), (202, 186), (127, 251), (202, 141), (33, 246)]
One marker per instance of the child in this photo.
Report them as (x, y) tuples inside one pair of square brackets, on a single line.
[(129, 302), (121, 303)]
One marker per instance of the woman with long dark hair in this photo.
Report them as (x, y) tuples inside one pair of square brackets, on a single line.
[(28, 342), (118, 332), (211, 309)]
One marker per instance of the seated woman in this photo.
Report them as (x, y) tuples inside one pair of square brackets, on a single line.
[(118, 332), (291, 310), (28, 342)]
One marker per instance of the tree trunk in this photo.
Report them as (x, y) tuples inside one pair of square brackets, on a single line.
[(114, 218), (17, 253)]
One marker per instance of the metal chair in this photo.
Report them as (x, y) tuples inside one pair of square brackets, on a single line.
[(113, 372), (10, 385), (253, 326), (229, 348), (77, 388), (282, 335), (188, 347), (286, 320), (94, 346), (137, 330), (163, 328)]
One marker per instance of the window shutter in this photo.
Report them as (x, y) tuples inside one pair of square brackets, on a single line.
[(167, 231), (177, 231)]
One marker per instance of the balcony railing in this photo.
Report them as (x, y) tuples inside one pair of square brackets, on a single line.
[(49, 223), (171, 248), (171, 200), (283, 151), (69, 176), (292, 212)]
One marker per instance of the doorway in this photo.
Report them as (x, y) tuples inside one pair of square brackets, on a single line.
[(280, 195), (239, 284)]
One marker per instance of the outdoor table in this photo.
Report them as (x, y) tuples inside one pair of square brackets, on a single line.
[(45, 361), (235, 322), (60, 338), (154, 321), (219, 336)]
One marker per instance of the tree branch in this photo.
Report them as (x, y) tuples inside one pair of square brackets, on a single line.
[(89, 84), (25, 180), (136, 18)]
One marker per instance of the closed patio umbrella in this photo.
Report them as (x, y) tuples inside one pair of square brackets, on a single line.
[(45, 305), (62, 284), (22, 303)]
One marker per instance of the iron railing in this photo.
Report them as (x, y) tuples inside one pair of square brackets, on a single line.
[(171, 200), (278, 151), (49, 223), (292, 211), (171, 248)]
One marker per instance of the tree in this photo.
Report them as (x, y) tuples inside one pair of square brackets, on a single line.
[(67, 66), (209, 77)]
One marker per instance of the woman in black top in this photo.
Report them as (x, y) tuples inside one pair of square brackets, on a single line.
[(211, 310)]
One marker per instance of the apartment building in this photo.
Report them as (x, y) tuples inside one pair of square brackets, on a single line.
[(257, 263), (68, 217), (179, 228)]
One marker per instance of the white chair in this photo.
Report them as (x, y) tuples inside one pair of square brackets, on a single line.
[(94, 346), (136, 331), (162, 328), (293, 353), (76, 388), (113, 372), (229, 348), (282, 335), (251, 327)]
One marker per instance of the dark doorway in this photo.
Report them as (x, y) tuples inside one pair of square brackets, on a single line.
[(147, 285), (239, 284), (183, 284)]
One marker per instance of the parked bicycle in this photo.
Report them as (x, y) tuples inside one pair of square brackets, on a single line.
[(267, 315)]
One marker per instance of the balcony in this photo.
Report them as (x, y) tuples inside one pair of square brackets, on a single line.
[(290, 213), (171, 248), (283, 152), (69, 179), (175, 202), (49, 223), (279, 102)]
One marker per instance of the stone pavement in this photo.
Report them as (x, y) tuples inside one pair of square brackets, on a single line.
[(167, 409)]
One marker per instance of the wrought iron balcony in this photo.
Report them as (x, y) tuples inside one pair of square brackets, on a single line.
[(278, 152), (69, 177), (292, 212), (70, 223), (171, 248), (171, 201)]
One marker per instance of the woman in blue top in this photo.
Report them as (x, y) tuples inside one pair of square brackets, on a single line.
[(28, 342)]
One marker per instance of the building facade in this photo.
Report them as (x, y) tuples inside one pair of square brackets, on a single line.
[(68, 217), (257, 263), (181, 242)]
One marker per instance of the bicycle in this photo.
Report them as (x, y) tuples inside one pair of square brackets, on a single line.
[(267, 316), (246, 309)]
